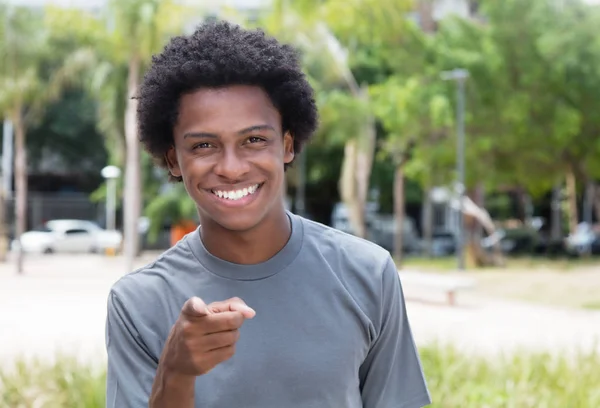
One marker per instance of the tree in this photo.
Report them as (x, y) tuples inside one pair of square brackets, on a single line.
[(26, 88), (325, 60), (415, 115), (126, 38), (138, 29)]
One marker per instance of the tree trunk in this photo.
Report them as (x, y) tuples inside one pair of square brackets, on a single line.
[(572, 194), (427, 221), (20, 184), (349, 189), (588, 202), (132, 193), (556, 223), (399, 213), (425, 11), (597, 202), (356, 171)]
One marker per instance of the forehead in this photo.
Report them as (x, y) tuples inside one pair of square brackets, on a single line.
[(226, 109)]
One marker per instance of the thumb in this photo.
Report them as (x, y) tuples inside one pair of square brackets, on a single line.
[(232, 305), (196, 307)]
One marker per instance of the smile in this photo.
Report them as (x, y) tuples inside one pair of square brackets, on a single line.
[(235, 195)]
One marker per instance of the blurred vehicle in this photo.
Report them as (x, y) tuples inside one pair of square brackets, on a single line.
[(381, 228), (72, 236), (585, 240), (443, 243)]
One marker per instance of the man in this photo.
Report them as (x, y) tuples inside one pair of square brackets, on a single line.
[(258, 307)]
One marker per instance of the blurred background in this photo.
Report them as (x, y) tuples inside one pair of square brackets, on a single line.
[(462, 136)]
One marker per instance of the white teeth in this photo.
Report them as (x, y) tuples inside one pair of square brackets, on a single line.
[(236, 194)]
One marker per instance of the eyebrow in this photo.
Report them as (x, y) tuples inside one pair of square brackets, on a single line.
[(241, 132)]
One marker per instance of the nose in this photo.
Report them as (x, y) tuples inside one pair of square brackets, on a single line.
[(231, 165)]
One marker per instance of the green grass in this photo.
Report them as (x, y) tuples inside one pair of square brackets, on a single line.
[(64, 384), (512, 263), (592, 305), (522, 380)]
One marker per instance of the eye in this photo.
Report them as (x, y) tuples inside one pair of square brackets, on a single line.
[(202, 145), (255, 139)]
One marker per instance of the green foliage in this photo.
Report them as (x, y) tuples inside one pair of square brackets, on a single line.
[(530, 110), (66, 123), (519, 380), (342, 117), (64, 384), (170, 207)]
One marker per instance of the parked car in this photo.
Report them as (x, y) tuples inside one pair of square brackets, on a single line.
[(585, 240), (380, 228), (69, 236)]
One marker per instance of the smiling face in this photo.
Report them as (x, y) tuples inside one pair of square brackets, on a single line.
[(230, 152)]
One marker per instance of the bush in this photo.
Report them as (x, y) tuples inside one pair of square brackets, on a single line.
[(455, 380), (64, 384), (522, 380)]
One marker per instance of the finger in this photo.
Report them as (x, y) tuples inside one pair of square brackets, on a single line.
[(218, 340), (195, 307), (217, 356), (224, 321), (232, 305)]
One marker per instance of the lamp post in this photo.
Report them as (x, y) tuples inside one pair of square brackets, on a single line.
[(460, 76), (111, 174)]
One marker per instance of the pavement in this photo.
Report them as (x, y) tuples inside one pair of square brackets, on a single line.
[(59, 305)]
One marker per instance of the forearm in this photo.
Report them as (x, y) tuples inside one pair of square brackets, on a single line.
[(172, 390)]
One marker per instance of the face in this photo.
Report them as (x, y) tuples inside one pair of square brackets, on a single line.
[(230, 151)]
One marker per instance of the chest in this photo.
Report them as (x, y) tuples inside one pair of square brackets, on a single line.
[(303, 348)]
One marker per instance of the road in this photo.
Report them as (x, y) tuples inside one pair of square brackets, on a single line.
[(60, 305)]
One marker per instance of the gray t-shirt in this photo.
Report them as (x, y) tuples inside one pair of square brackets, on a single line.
[(330, 328)]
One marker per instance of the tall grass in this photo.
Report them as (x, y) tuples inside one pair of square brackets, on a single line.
[(523, 380), (66, 383)]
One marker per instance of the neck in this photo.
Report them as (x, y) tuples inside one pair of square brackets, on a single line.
[(250, 247)]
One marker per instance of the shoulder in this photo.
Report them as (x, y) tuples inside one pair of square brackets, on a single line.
[(365, 270), (355, 253), (144, 284)]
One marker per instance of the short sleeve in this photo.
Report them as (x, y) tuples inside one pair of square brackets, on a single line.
[(131, 367), (391, 375)]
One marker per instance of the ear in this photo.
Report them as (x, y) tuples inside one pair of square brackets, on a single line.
[(172, 162), (288, 148)]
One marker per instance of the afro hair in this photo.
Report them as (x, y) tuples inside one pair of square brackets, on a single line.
[(217, 55)]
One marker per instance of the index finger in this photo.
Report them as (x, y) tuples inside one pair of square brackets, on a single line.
[(195, 307), (232, 305)]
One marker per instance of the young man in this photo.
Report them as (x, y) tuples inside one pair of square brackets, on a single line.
[(258, 307)]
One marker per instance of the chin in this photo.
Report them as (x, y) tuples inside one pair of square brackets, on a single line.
[(240, 222)]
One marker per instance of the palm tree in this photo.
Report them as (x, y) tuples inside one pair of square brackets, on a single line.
[(138, 29), (130, 33), (304, 24), (26, 88)]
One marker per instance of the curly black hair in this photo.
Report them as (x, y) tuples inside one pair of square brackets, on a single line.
[(216, 55)]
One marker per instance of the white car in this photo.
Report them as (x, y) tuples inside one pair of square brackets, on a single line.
[(69, 236)]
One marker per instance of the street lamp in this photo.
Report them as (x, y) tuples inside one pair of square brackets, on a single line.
[(460, 76), (111, 174)]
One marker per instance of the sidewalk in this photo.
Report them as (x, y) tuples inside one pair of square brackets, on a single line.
[(60, 304)]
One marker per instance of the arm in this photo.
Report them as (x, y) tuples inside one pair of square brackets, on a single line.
[(391, 376), (132, 368)]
